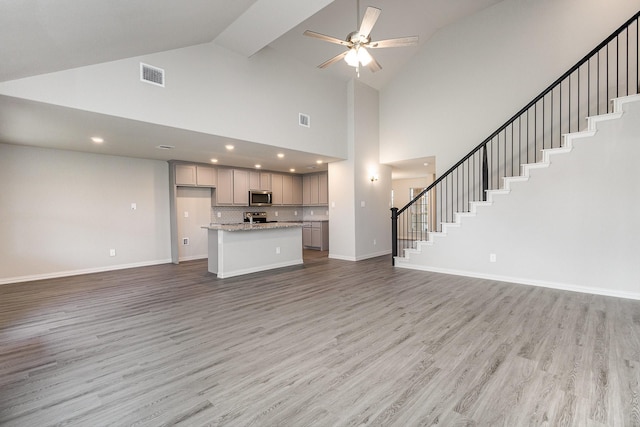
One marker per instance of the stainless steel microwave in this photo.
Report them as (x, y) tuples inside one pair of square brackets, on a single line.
[(260, 198)]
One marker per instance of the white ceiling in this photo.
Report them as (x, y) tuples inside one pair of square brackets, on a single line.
[(42, 36)]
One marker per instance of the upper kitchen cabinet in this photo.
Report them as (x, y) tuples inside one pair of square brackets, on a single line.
[(195, 175), (185, 174), (233, 187), (260, 181), (315, 189), (206, 176), (240, 187), (287, 189), (224, 190)]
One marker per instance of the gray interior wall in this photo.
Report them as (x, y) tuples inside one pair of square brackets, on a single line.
[(573, 225), (211, 90), (473, 75), (61, 212)]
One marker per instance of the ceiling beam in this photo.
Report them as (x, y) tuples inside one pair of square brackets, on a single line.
[(265, 21)]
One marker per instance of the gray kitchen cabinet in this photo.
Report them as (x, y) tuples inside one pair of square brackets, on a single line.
[(296, 191), (315, 235), (224, 189), (185, 174), (277, 189), (315, 189), (286, 189), (240, 187), (260, 181), (206, 176), (323, 189), (195, 175)]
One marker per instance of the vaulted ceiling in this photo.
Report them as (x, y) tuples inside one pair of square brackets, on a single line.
[(41, 36)]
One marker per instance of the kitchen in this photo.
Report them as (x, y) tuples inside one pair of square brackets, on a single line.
[(209, 196)]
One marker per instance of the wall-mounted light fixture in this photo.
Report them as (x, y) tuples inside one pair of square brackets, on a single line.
[(374, 177)]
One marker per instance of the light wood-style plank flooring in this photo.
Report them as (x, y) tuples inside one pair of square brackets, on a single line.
[(330, 343)]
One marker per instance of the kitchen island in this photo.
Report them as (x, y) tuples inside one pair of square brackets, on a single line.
[(236, 249)]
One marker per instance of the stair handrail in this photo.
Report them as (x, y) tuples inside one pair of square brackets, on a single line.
[(396, 211)]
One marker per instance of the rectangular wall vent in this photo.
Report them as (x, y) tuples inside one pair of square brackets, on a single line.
[(304, 120), (150, 74)]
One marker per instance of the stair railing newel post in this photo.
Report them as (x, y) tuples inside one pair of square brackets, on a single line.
[(485, 173), (394, 235)]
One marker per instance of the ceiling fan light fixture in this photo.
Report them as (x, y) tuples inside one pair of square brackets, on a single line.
[(364, 56), (352, 57)]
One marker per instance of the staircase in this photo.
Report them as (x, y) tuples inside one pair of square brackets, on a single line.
[(472, 211)]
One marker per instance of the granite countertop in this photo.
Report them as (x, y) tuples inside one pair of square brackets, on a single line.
[(245, 226)]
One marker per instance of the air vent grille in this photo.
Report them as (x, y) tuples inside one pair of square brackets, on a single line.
[(304, 120), (150, 74)]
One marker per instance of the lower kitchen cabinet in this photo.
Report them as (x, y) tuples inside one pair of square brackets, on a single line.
[(315, 235)]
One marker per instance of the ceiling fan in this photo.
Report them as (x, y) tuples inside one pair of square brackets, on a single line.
[(359, 41)]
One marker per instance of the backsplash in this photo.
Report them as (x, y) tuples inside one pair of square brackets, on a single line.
[(234, 214)]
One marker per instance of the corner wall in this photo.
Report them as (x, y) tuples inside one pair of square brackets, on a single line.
[(61, 212), (359, 209)]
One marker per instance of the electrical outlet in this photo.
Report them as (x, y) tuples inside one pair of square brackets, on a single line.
[(374, 242), (185, 241), (112, 252), (186, 214), (312, 213), (362, 204), (276, 213), (219, 214), (295, 213), (277, 249), (492, 258), (134, 206)]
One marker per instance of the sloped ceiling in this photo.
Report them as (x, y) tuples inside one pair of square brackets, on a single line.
[(42, 36)]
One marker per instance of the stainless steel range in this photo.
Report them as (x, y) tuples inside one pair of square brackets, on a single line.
[(260, 217)]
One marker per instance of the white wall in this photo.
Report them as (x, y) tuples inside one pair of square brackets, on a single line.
[(473, 75), (356, 231), (211, 90), (61, 212), (574, 225)]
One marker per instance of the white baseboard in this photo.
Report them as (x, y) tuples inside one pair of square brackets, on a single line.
[(227, 274), (360, 257), (529, 282), (58, 274), (193, 257)]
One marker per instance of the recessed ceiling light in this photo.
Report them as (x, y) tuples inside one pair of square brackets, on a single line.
[(280, 155), (292, 170), (258, 166), (97, 139), (319, 162), (214, 160), (426, 164), (229, 147)]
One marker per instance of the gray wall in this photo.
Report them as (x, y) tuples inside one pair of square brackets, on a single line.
[(473, 75), (61, 212), (574, 225), (211, 90)]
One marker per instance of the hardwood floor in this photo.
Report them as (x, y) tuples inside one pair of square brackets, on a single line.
[(330, 343)]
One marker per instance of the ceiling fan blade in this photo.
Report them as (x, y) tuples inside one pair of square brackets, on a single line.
[(399, 42), (374, 66), (369, 20), (333, 60), (327, 38)]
